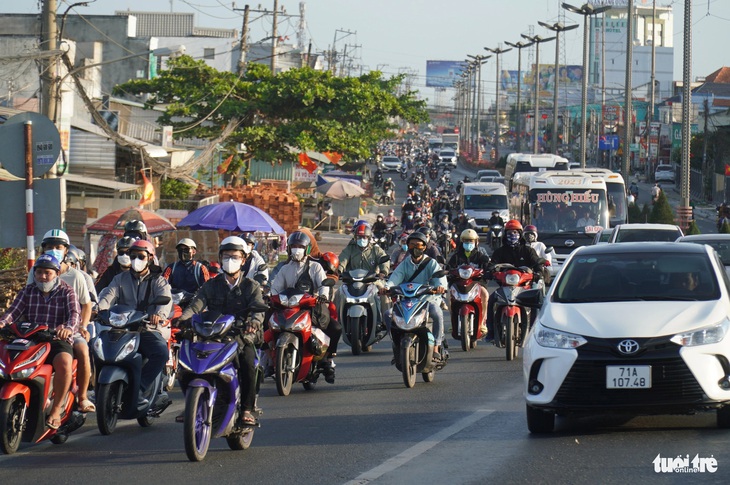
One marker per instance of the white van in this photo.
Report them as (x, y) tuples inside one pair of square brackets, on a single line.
[(479, 199)]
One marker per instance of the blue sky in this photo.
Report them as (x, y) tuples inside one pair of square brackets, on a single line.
[(403, 34)]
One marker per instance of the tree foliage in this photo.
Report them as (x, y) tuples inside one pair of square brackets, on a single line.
[(693, 229), (279, 115), (661, 213), (634, 213)]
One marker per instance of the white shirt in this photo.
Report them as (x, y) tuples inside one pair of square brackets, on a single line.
[(288, 276), (540, 249)]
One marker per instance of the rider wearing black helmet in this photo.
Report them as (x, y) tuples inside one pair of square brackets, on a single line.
[(136, 229), (121, 263)]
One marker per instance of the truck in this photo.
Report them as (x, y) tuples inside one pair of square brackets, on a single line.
[(451, 140)]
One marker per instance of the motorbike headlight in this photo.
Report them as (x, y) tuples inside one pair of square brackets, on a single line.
[(127, 349), (399, 321), (415, 321), (32, 359), (555, 339), (23, 374), (512, 279), (273, 324), (98, 349), (292, 301), (119, 319), (704, 336), (465, 273)]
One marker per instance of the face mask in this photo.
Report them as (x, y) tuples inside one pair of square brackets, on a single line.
[(184, 254), (139, 265), (363, 243), (48, 286), (297, 254), (231, 266), (56, 253), (416, 252), (404, 247), (531, 237), (513, 239), (469, 246), (124, 260), (410, 217)]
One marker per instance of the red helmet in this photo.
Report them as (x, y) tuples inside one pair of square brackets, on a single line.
[(143, 245), (330, 262), (513, 225), (363, 230), (531, 228)]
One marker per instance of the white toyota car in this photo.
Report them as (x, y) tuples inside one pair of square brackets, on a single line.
[(634, 328)]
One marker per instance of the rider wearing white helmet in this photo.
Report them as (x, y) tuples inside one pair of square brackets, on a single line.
[(186, 273), (469, 252)]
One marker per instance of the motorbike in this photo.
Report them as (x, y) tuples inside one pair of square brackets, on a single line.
[(119, 367), (378, 180), (411, 334), (495, 236), (433, 172), (298, 346), (361, 315), (26, 389), (511, 321), (209, 380), (381, 239), (180, 300), (466, 305), (403, 171), (387, 197)]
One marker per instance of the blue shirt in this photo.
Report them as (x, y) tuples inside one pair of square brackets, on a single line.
[(406, 268)]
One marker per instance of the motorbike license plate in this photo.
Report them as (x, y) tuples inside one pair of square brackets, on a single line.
[(628, 377)]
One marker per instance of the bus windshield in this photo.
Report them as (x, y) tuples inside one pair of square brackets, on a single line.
[(562, 210), (617, 207), (485, 202)]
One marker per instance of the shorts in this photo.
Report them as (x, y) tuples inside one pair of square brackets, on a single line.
[(59, 347)]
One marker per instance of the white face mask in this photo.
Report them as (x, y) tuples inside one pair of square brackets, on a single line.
[(231, 266), (139, 265), (297, 254), (48, 286), (124, 260)]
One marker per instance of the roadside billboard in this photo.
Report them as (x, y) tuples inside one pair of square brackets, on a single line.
[(443, 74)]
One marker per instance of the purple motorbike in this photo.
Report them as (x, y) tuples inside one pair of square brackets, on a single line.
[(210, 383)]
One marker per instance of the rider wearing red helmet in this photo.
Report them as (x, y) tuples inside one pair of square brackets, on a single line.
[(515, 251)]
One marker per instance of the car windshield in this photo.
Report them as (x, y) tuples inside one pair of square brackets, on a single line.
[(485, 202), (639, 235), (664, 168), (721, 247), (637, 276)]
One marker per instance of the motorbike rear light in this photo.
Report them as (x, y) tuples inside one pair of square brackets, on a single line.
[(512, 279), (465, 273)]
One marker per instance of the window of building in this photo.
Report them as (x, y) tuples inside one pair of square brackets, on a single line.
[(209, 53)]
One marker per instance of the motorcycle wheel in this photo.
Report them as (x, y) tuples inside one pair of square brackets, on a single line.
[(11, 411), (408, 365), (171, 373), (197, 430), (510, 339), (464, 328), (240, 441), (283, 376), (355, 341), (428, 376), (403, 175), (309, 385), (145, 421), (108, 406), (59, 439)]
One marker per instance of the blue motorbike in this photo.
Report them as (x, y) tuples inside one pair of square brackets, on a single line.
[(410, 330), (209, 381)]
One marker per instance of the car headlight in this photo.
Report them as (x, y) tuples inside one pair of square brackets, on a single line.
[(555, 339), (704, 336)]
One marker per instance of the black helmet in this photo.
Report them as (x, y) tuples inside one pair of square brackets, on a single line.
[(76, 254), (135, 227), (125, 243), (249, 238), (419, 236), (300, 239)]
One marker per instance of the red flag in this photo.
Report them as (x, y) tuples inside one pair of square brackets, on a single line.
[(224, 166), (307, 163), (148, 191), (333, 157), (727, 170)]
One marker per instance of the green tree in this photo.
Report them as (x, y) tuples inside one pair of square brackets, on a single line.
[(725, 228), (693, 229), (174, 193), (634, 213), (645, 212), (277, 116), (661, 213)]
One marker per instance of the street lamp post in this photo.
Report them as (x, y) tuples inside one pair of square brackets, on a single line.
[(537, 40), (497, 53), (585, 10), (557, 28), (519, 46), (479, 61)]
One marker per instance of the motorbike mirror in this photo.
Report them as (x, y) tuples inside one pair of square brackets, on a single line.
[(260, 278), (328, 282), (384, 259), (261, 267), (160, 300), (549, 249), (439, 274), (530, 298)]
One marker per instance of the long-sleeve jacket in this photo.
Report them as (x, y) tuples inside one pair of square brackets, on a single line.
[(289, 274), (478, 257), (404, 271), (355, 257), (217, 296), (60, 309), (520, 255), (129, 289)]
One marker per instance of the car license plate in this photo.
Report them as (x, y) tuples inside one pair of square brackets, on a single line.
[(628, 377), (484, 229)]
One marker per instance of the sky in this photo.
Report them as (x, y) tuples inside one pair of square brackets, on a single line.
[(398, 35)]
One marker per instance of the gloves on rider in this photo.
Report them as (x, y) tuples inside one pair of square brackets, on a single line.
[(322, 299)]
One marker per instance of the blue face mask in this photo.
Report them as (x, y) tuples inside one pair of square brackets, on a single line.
[(469, 246), (513, 239), (404, 247), (363, 243), (56, 253)]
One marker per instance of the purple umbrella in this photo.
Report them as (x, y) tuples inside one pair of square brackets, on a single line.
[(231, 216)]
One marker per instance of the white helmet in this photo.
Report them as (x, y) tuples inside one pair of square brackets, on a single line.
[(186, 241), (56, 236)]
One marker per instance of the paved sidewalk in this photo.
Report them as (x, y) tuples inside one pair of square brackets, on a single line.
[(701, 210)]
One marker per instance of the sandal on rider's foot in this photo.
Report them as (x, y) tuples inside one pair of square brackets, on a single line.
[(248, 418), (86, 406), (53, 423)]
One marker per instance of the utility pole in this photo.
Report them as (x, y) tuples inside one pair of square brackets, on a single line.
[(519, 46), (274, 37), (653, 78), (333, 53), (537, 40), (684, 212), (497, 52), (628, 112), (705, 168), (49, 42), (244, 40)]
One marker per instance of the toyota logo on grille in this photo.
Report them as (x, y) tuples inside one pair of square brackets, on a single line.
[(628, 346), (570, 243)]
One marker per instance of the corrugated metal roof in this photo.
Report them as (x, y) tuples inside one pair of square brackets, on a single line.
[(265, 170)]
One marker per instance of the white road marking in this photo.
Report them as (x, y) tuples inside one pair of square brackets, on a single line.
[(419, 448)]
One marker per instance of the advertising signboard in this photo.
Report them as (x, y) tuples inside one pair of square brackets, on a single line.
[(443, 74)]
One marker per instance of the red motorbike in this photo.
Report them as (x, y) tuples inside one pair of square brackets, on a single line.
[(297, 345), (180, 301), (26, 389), (510, 319), (466, 305)]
